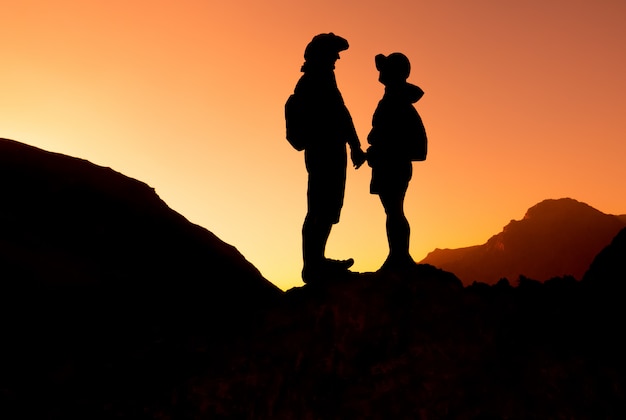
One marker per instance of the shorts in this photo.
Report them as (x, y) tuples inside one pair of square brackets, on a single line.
[(391, 178), (327, 183)]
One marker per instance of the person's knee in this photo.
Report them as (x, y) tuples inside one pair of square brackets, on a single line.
[(319, 221), (393, 208)]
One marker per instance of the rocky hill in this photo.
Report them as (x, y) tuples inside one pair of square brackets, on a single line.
[(114, 306), (66, 221), (104, 288), (555, 238)]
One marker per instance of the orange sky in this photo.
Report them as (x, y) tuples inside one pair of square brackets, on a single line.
[(524, 101)]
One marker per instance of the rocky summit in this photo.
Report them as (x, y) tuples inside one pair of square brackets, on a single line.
[(418, 345)]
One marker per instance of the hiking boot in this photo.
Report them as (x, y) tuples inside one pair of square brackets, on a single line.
[(311, 274), (339, 264), (315, 273)]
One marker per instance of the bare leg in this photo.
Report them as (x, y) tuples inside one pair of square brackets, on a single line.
[(398, 229)]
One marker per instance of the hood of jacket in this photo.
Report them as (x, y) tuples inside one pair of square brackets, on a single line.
[(405, 92)]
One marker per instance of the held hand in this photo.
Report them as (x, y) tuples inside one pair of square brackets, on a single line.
[(368, 156), (358, 157)]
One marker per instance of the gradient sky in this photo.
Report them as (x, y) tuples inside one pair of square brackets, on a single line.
[(524, 100)]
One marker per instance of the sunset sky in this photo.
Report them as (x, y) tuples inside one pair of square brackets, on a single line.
[(524, 100)]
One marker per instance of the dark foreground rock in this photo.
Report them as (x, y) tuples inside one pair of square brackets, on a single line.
[(417, 345)]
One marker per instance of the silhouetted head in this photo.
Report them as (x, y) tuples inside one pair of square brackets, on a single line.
[(323, 50), (394, 68)]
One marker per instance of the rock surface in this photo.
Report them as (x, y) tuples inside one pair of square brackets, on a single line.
[(417, 345)]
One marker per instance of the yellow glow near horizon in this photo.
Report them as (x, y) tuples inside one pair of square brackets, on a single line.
[(523, 102)]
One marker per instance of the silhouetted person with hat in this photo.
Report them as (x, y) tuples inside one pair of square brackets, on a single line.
[(329, 127), (397, 138)]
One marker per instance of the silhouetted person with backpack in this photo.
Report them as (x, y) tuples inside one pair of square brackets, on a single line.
[(319, 123), (397, 138)]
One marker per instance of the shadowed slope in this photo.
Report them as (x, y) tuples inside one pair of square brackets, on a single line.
[(107, 293), (608, 269), (64, 220), (555, 238)]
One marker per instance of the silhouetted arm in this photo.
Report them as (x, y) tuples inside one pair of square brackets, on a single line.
[(357, 155), (356, 152)]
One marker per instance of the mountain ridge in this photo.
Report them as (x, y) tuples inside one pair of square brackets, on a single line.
[(105, 290), (50, 197), (556, 237)]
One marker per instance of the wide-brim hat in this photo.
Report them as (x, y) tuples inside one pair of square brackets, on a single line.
[(395, 65), (325, 45)]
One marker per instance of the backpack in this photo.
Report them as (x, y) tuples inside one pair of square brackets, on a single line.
[(295, 121), (419, 147)]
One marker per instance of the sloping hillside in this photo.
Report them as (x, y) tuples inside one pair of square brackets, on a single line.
[(106, 293), (64, 220)]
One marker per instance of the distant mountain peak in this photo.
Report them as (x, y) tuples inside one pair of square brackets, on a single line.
[(556, 237), (561, 207)]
